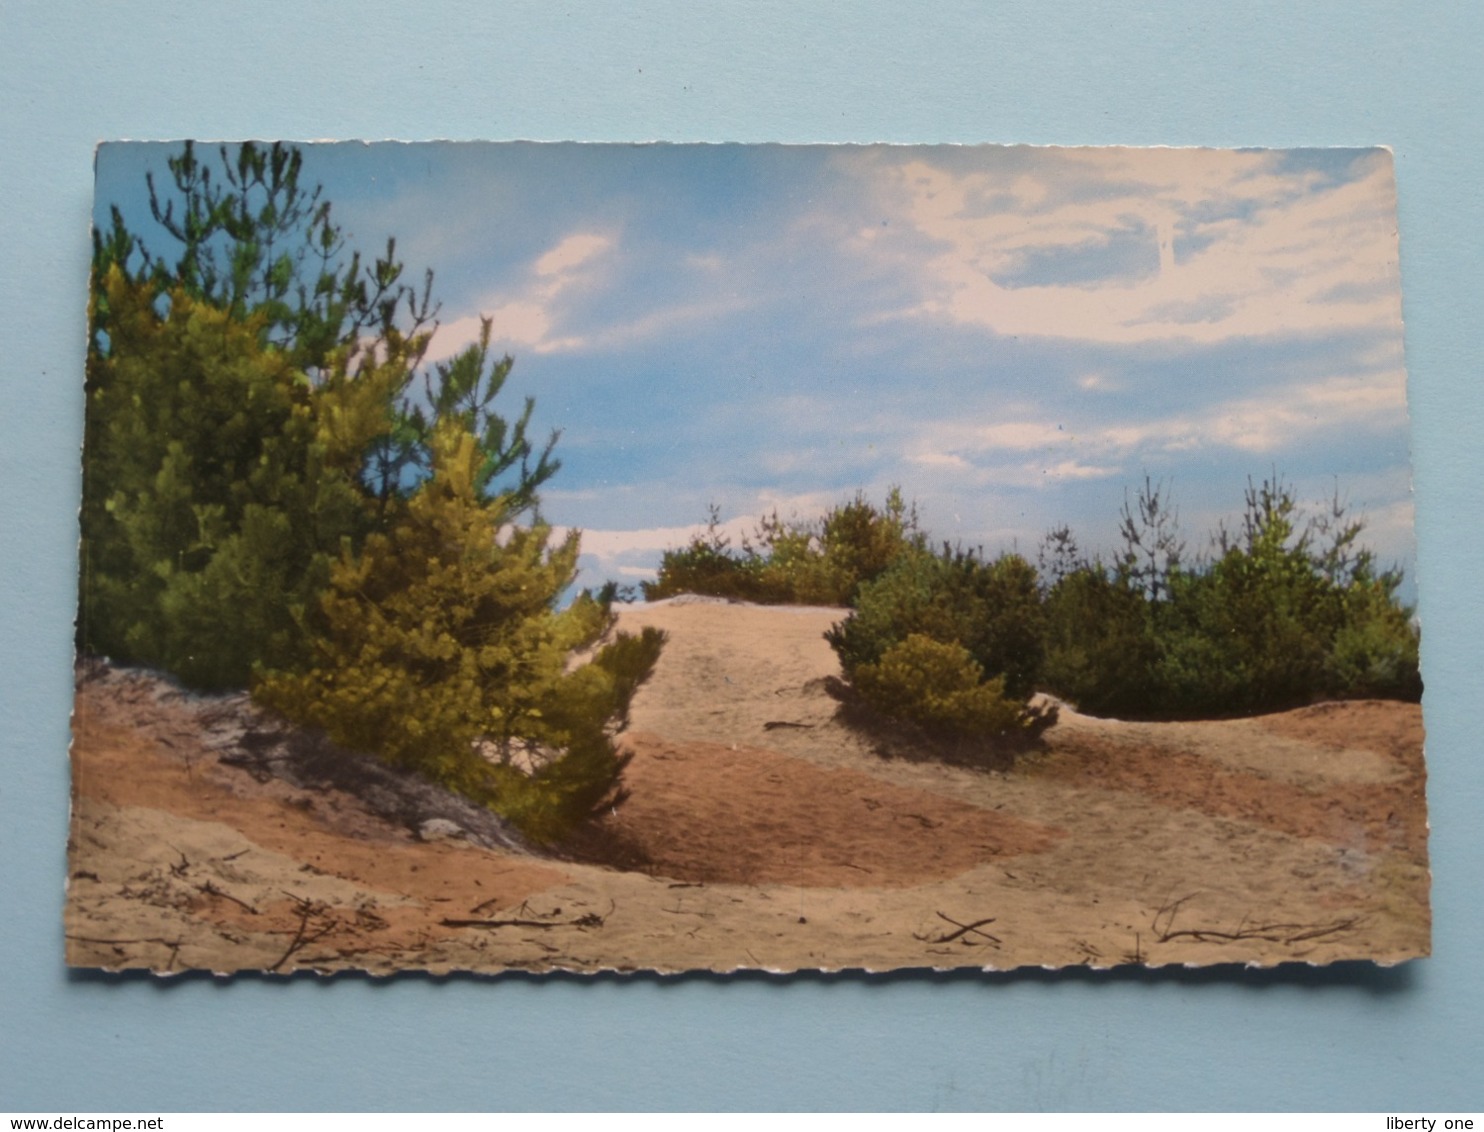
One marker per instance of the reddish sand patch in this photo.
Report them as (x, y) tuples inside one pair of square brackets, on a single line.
[(714, 813), (1383, 726), (1370, 816), (126, 762)]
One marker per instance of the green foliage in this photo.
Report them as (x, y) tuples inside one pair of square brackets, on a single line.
[(791, 562), (1286, 612), (443, 654), (1100, 652), (581, 718), (939, 686), (1375, 649), (251, 241), (1152, 547), (954, 616), (242, 398), (707, 566), (250, 409), (992, 608), (217, 487), (265, 497)]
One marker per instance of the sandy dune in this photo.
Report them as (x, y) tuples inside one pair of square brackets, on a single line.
[(761, 832)]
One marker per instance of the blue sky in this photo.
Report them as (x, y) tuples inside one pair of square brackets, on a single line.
[(1014, 335)]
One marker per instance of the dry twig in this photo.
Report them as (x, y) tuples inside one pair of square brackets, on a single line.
[(586, 920), (211, 890), (963, 932), (1284, 933), (302, 939)]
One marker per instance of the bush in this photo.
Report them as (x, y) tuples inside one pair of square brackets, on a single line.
[(992, 608), (707, 565), (1375, 651), (1286, 612), (248, 412), (940, 687), (794, 563), (551, 798), (954, 617), (1100, 650)]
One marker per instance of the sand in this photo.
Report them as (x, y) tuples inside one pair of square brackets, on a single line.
[(762, 832)]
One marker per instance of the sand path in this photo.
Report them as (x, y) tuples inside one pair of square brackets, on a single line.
[(763, 833)]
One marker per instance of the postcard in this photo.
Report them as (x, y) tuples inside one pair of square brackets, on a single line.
[(588, 557)]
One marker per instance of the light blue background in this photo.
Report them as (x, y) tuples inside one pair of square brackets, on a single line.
[(1405, 74)]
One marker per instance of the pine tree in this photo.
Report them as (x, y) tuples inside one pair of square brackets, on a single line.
[(444, 653), (218, 485), (268, 498), (251, 404)]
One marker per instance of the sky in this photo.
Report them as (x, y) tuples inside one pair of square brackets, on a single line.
[(1015, 336)]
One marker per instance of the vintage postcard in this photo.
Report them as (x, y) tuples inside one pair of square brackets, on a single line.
[(712, 557)]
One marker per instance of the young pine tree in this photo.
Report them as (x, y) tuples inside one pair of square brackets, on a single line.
[(444, 653), (241, 375)]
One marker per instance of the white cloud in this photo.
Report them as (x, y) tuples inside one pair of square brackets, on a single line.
[(1020, 435), (529, 318), (611, 544), (536, 318), (1074, 470), (1236, 245), (940, 460), (1258, 425), (563, 260)]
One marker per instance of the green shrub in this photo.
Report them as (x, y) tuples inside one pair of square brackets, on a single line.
[(948, 641), (939, 686), (706, 565), (264, 499), (1249, 633), (549, 801), (1100, 649), (248, 412), (859, 542), (793, 563), (1286, 612), (991, 608), (1375, 651)]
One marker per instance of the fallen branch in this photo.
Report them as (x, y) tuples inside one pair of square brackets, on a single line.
[(586, 920), (1329, 929), (963, 930), (506, 923), (1284, 933), (589, 920), (1268, 933), (1167, 912), (301, 939), (145, 939), (211, 890)]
